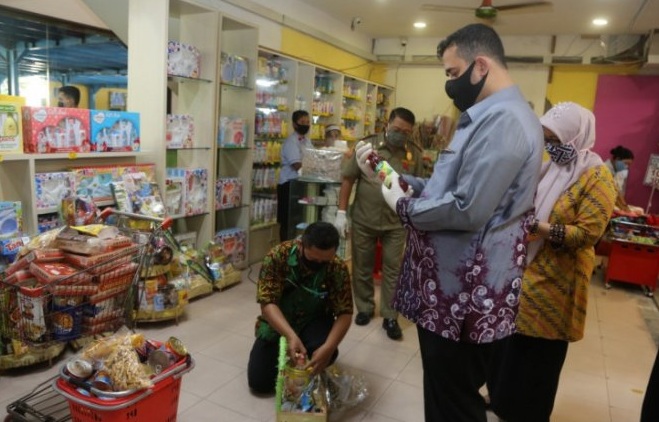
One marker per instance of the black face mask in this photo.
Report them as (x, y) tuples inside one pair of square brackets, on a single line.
[(60, 104), (461, 91), (311, 265), (302, 129)]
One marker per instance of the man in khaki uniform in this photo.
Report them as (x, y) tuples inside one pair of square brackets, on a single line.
[(372, 219)]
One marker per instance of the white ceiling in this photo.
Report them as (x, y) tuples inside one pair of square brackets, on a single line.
[(394, 18)]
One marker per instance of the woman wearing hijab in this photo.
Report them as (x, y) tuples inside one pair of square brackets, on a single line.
[(575, 198)]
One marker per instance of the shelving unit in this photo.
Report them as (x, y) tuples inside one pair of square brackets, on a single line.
[(199, 27), (17, 176), (353, 108), (236, 101), (327, 100)]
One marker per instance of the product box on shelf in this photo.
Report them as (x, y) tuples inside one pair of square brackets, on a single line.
[(11, 132), (195, 188), (174, 195), (134, 193), (228, 193), (233, 132), (55, 129), (180, 131), (322, 164), (234, 70), (11, 219), (183, 60), (96, 181), (51, 188), (115, 131), (233, 244)]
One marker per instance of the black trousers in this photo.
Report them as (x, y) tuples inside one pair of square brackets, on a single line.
[(453, 372), (650, 410), (283, 197), (524, 378), (262, 366)]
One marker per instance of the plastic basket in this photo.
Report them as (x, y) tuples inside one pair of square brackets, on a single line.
[(157, 403)]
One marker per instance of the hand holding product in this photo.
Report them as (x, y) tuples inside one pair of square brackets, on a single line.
[(394, 191)]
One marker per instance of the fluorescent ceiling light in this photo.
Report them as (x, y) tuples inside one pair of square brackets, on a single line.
[(600, 22), (266, 82), (419, 24)]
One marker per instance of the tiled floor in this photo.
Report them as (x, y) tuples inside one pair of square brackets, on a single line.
[(604, 378)]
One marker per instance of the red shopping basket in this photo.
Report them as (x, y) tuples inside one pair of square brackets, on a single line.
[(157, 403)]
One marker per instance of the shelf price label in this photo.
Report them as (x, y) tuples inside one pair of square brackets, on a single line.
[(73, 155)]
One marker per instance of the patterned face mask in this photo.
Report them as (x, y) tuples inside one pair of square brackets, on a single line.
[(561, 154)]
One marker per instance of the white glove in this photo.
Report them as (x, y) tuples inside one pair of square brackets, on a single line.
[(362, 151), (340, 222), (395, 192)]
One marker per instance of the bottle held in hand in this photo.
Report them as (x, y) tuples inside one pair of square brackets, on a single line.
[(383, 170)]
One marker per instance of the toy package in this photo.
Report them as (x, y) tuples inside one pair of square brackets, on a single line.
[(228, 193), (95, 181), (11, 219), (11, 134), (174, 187), (232, 241), (195, 188), (183, 60), (234, 69), (115, 131), (180, 131), (51, 188), (136, 194), (233, 132), (55, 129)]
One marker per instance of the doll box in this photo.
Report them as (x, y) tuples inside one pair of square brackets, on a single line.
[(180, 131), (55, 129), (51, 188), (233, 132), (195, 188), (114, 131), (11, 134), (183, 60), (228, 193)]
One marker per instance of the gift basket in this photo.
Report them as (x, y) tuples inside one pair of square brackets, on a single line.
[(303, 397)]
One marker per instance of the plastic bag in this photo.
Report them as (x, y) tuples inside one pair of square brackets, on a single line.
[(344, 388)]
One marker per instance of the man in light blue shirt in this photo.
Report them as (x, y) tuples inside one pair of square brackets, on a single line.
[(291, 163)]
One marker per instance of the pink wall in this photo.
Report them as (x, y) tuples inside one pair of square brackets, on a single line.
[(627, 114)]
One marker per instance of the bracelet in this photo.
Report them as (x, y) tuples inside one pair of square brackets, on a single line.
[(533, 228), (557, 233)]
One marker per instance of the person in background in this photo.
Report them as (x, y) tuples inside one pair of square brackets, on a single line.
[(68, 96), (574, 201), (618, 165), (291, 163), (465, 252), (332, 133), (650, 408), (304, 293), (372, 220)]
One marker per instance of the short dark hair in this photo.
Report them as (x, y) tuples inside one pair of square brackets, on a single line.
[(622, 153), (71, 92), (321, 235), (473, 40), (402, 113), (297, 114)]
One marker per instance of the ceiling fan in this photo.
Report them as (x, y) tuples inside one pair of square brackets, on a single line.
[(486, 10)]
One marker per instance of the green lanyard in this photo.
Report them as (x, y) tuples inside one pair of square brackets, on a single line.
[(295, 266)]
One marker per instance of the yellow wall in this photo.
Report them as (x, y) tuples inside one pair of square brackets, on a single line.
[(304, 47), (579, 84)]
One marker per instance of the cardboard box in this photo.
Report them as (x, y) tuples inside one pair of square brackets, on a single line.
[(115, 131), (51, 188), (11, 127), (180, 131), (55, 129), (183, 60), (228, 193), (233, 132), (11, 219), (195, 189)]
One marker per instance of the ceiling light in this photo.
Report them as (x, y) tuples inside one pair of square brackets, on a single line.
[(419, 24), (600, 22)]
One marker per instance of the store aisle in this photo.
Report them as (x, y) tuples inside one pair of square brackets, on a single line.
[(604, 378)]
